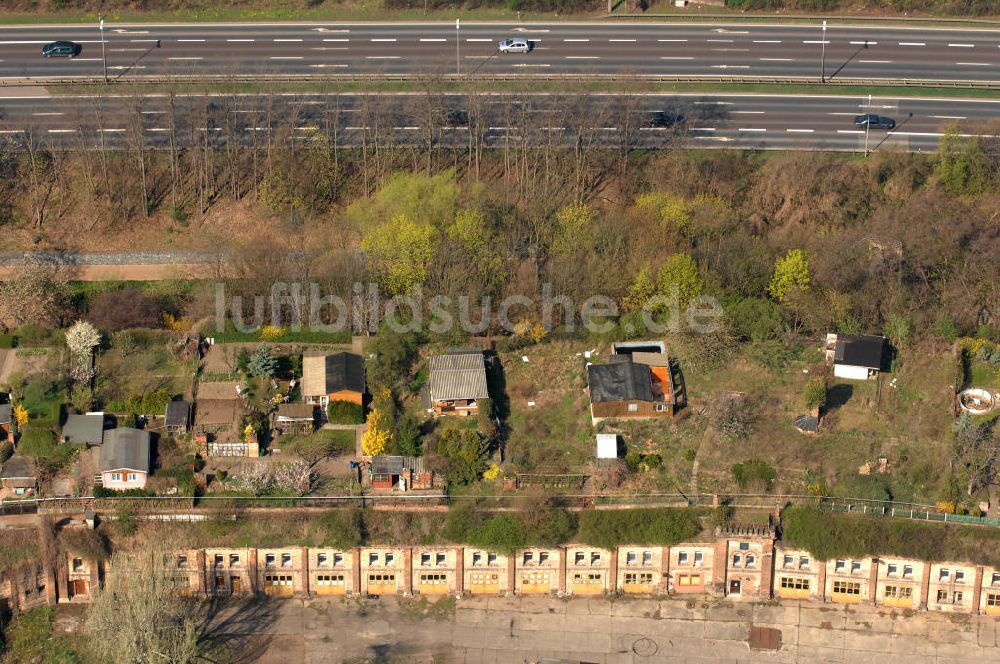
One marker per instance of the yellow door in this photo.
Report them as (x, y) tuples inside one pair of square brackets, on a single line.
[(993, 604), (330, 584), (846, 592), (638, 582), (791, 587), (534, 583), (588, 583), (433, 584), (484, 583), (278, 585), (898, 596), (381, 584)]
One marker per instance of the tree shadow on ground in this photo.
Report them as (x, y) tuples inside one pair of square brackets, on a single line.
[(838, 396), (236, 629)]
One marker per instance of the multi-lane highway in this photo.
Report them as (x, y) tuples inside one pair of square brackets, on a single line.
[(611, 121), (806, 51)]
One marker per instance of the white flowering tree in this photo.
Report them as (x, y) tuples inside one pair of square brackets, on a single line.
[(81, 339)]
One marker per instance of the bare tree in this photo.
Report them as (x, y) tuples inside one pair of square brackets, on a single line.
[(139, 617), (34, 293)]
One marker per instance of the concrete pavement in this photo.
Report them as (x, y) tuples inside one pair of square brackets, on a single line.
[(664, 49), (742, 121), (498, 630)]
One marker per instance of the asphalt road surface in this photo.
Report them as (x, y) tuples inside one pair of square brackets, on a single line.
[(604, 120), (580, 48)]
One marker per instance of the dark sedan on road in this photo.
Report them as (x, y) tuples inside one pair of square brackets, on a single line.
[(61, 49), (872, 121), (665, 120)]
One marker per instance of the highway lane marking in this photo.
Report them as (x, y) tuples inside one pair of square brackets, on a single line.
[(86, 60), (336, 40), (128, 67), (157, 129), (327, 65), (327, 48), (730, 66), (61, 131), (286, 40), (676, 57), (406, 128), (381, 57), (190, 40), (127, 50), (766, 41), (752, 129), (521, 64), (818, 41), (583, 57), (776, 59), (621, 40), (286, 57), (433, 40), (112, 131), (962, 45), (479, 40), (153, 112), (713, 103), (840, 113), (912, 44), (875, 62), (239, 40), (973, 64), (750, 112), (48, 113), (864, 43), (722, 41), (730, 50), (850, 131), (186, 58), (949, 117), (702, 128), (140, 41), (383, 40), (477, 57), (11, 131), (576, 40), (308, 128), (659, 40), (800, 131)]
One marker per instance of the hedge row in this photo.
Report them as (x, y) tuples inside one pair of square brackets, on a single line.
[(828, 536)]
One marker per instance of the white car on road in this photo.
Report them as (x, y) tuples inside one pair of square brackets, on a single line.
[(516, 45)]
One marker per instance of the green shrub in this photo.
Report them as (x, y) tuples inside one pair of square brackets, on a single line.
[(610, 528), (828, 536), (345, 412), (754, 473), (342, 529), (504, 533), (6, 340), (103, 492), (815, 393), (37, 441)]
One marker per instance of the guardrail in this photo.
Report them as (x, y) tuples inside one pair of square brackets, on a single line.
[(732, 17), (503, 78)]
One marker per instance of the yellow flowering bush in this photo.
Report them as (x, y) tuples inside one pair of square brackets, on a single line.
[(271, 332), (492, 473)]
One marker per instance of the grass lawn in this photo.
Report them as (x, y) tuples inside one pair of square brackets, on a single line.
[(982, 374)]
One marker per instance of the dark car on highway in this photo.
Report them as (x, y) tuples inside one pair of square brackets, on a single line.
[(665, 120), (873, 121), (61, 49)]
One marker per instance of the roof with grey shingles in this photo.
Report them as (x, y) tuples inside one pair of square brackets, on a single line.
[(619, 381), (326, 374), (125, 448), (457, 376), (18, 467), (87, 429), (296, 411), (178, 414)]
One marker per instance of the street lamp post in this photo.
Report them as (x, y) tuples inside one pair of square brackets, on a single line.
[(104, 55), (458, 67), (868, 124), (822, 57)]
